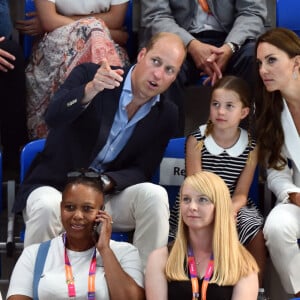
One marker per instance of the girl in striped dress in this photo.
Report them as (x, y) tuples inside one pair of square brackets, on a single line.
[(224, 148)]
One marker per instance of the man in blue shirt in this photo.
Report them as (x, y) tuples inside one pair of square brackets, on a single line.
[(117, 123)]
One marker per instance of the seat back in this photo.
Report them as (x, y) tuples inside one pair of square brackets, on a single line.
[(29, 6), (128, 23), (28, 153), (287, 14), (171, 171)]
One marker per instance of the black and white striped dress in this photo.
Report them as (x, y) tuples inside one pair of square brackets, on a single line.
[(228, 164)]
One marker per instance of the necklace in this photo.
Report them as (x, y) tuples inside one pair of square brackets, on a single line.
[(194, 277), (197, 261), (226, 145), (70, 281)]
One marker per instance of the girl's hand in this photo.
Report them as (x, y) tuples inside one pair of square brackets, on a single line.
[(31, 26), (235, 210)]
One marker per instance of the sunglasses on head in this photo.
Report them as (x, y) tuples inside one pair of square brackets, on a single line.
[(84, 174)]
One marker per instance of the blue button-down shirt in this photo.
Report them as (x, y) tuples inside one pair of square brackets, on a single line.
[(122, 128)]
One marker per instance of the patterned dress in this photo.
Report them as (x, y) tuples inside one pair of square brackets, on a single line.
[(228, 164), (56, 54)]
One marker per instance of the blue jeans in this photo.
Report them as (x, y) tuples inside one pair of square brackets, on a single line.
[(5, 21)]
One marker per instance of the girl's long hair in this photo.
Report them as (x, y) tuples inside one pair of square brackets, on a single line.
[(231, 260)]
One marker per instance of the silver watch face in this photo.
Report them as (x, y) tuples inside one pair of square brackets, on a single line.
[(105, 180)]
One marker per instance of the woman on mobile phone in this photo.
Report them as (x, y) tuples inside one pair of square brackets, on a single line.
[(78, 264)]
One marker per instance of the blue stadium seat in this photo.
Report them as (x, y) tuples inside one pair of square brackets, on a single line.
[(131, 42), (171, 171), (287, 14), (28, 153), (29, 6)]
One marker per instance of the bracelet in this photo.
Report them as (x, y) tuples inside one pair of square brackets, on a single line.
[(232, 46), (106, 182)]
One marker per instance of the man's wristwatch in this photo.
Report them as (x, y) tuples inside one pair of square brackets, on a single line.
[(106, 182), (234, 47)]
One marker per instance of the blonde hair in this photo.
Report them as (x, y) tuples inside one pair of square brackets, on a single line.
[(231, 259)]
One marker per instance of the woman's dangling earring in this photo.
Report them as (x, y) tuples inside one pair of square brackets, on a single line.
[(295, 74), (296, 69)]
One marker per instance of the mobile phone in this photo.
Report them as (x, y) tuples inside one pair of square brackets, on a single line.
[(96, 230)]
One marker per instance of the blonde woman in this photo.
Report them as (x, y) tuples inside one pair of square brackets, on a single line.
[(206, 260)]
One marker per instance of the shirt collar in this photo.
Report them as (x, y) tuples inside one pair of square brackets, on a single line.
[(127, 88), (236, 150)]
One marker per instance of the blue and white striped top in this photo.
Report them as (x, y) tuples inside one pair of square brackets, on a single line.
[(227, 163)]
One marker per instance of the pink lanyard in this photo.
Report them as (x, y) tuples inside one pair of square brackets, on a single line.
[(194, 275), (70, 279)]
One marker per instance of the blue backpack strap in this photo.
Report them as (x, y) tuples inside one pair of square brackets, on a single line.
[(39, 266)]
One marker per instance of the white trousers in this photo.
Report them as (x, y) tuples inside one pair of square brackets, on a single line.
[(281, 231), (143, 208)]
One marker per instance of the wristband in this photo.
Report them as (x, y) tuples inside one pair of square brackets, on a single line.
[(232, 46)]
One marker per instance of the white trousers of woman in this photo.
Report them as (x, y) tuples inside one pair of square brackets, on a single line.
[(143, 208), (281, 231)]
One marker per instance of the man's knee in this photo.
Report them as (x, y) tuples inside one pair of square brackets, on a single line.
[(153, 198), (154, 191), (44, 202)]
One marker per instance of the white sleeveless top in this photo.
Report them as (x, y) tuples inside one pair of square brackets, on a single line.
[(71, 7)]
